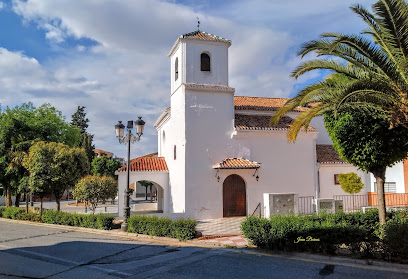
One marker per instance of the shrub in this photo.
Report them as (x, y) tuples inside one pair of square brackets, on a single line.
[(395, 232), (181, 229), (15, 213), (321, 233), (98, 221), (2, 208)]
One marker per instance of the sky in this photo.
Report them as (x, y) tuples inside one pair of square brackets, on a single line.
[(111, 56)]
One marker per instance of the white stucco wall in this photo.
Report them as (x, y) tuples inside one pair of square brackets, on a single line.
[(393, 174), (328, 188)]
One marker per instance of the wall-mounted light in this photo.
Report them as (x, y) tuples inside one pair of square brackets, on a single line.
[(257, 176), (217, 176)]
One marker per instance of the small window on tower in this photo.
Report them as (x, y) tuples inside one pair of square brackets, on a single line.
[(174, 152), (176, 69), (205, 62)]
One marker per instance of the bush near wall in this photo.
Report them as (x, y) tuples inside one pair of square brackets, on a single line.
[(182, 229), (360, 232), (99, 221)]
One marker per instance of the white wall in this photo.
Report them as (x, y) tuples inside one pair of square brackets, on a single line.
[(328, 188), (393, 174)]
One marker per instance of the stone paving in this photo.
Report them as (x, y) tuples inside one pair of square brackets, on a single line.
[(222, 226), (222, 232)]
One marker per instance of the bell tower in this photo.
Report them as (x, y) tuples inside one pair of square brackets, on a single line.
[(199, 58)]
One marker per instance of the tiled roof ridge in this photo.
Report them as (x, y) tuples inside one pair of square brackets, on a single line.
[(200, 31), (146, 163), (237, 163), (326, 154)]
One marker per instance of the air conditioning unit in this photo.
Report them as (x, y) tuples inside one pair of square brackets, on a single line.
[(329, 205), (280, 204)]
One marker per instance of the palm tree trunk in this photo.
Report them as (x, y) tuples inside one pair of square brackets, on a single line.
[(151, 193), (146, 193), (380, 179)]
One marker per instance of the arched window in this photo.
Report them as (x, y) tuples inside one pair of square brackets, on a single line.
[(176, 69), (205, 62)]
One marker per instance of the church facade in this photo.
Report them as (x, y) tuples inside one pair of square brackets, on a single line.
[(217, 154)]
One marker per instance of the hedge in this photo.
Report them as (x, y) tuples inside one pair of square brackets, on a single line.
[(182, 229), (17, 213), (99, 221), (326, 233)]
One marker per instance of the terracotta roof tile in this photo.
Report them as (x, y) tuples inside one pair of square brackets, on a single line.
[(147, 163), (201, 35), (261, 103), (326, 154), (261, 122), (236, 163)]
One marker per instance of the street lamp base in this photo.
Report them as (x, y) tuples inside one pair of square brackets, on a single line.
[(124, 226)]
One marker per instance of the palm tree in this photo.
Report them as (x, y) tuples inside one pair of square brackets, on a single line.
[(371, 74)]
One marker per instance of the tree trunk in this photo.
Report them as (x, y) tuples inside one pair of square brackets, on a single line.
[(380, 179), (58, 201), (17, 202), (146, 193), (26, 201), (8, 196), (151, 193), (41, 206)]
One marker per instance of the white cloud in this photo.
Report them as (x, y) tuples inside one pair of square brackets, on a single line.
[(126, 74)]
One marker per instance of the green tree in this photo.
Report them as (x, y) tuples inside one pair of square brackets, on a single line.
[(79, 120), (377, 69), (350, 182), (105, 166), (20, 127), (366, 141), (54, 168), (371, 75), (95, 189)]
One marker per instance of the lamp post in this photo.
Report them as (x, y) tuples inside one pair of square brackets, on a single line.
[(128, 139)]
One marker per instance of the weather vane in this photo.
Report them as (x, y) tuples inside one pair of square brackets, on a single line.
[(198, 24)]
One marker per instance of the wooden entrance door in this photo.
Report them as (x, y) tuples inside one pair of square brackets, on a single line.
[(234, 196)]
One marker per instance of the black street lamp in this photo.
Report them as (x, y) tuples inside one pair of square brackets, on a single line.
[(128, 139)]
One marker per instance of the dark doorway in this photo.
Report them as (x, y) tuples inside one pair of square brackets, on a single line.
[(234, 196)]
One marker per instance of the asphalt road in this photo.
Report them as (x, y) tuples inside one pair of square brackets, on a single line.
[(29, 251)]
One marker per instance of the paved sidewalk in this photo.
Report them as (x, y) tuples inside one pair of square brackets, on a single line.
[(220, 227), (238, 241)]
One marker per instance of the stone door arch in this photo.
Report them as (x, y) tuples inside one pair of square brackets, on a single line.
[(234, 196)]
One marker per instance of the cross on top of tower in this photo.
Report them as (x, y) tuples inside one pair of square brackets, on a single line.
[(198, 24)]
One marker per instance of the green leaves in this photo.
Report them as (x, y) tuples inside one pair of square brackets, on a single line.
[(54, 167), (376, 69), (350, 183), (105, 166), (95, 189)]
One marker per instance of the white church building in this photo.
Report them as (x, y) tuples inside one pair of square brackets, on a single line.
[(217, 154)]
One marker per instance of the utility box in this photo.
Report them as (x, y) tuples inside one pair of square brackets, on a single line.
[(329, 205), (280, 204)]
